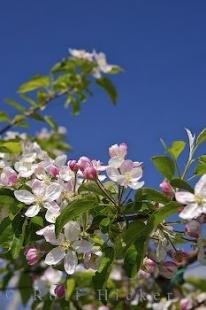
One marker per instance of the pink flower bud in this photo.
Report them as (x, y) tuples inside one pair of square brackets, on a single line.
[(32, 255), (180, 257), (103, 308), (149, 265), (60, 290), (143, 274), (192, 229), (186, 304), (8, 176), (83, 163), (90, 173), (53, 170), (167, 188), (118, 150), (168, 269), (73, 165)]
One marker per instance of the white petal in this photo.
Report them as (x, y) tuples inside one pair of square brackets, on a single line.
[(49, 234), (200, 187), (184, 197), (136, 185), (113, 173), (60, 160), (82, 246), (54, 256), (190, 212), (52, 214), (38, 188), (33, 210), (53, 191), (24, 196), (72, 230), (116, 162), (70, 262)]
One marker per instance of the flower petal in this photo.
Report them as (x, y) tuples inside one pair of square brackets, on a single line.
[(52, 214), (24, 196), (49, 234), (113, 173), (38, 188), (33, 210), (53, 191), (190, 212), (82, 246), (136, 185), (72, 230), (55, 256), (184, 197), (200, 187), (70, 262)]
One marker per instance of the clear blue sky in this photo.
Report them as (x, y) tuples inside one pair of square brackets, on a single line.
[(160, 44)]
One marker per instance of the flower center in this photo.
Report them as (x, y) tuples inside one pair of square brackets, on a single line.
[(199, 199), (66, 245)]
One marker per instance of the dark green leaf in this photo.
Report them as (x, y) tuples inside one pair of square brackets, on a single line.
[(74, 210), (181, 184), (107, 85), (153, 195)]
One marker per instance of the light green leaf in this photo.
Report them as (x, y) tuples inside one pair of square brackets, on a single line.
[(15, 105), (164, 165), (101, 276), (40, 81), (202, 137), (4, 117), (164, 212), (70, 287), (13, 147), (177, 148)]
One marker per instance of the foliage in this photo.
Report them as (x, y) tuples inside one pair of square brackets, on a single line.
[(77, 233)]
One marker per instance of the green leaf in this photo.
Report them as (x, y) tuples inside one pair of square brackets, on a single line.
[(70, 287), (74, 210), (13, 147), (16, 247), (101, 276), (130, 261), (25, 287), (164, 165), (181, 184), (108, 86), (15, 104), (51, 122), (136, 230), (200, 169), (177, 148), (202, 137), (4, 117), (152, 195), (40, 81), (37, 220), (38, 117), (164, 212)]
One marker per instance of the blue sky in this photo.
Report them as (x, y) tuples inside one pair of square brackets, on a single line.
[(160, 44)]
